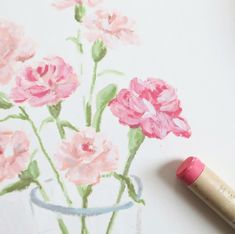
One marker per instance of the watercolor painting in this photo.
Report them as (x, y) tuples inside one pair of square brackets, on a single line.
[(84, 158)]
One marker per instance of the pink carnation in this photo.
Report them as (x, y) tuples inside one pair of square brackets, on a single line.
[(87, 156), (47, 84), (152, 105), (110, 28), (14, 153), (13, 48), (60, 5)]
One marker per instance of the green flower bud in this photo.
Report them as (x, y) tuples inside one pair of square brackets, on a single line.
[(79, 12), (98, 51)]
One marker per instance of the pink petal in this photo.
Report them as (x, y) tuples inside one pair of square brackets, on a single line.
[(6, 74), (156, 126), (12, 165), (39, 91), (18, 95), (126, 116), (61, 5), (83, 175), (180, 127)]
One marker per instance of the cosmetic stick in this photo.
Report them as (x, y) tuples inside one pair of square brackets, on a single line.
[(209, 187)]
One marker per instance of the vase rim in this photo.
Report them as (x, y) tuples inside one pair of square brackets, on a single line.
[(93, 211)]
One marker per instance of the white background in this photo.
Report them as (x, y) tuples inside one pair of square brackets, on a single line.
[(191, 45)]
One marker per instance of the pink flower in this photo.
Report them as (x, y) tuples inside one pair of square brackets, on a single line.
[(87, 156), (152, 105), (60, 5), (110, 28), (13, 48), (47, 84), (14, 153)]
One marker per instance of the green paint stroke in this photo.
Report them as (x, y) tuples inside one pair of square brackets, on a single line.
[(77, 41), (60, 124), (79, 12), (85, 192), (136, 138), (60, 221), (98, 52), (102, 100), (110, 72), (43, 149), (54, 111), (45, 122), (4, 101), (130, 187), (67, 124), (26, 178), (63, 228), (90, 99), (88, 112)]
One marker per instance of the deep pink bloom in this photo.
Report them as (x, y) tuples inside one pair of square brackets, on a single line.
[(87, 156), (60, 5), (14, 153), (110, 27), (47, 84), (13, 48), (152, 105)]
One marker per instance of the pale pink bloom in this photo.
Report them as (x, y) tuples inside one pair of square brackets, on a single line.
[(110, 27), (87, 156), (14, 153), (14, 47), (50, 82), (152, 105), (60, 5)]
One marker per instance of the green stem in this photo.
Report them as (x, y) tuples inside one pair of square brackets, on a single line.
[(60, 129), (84, 229), (59, 180), (90, 98), (84, 192), (92, 87), (121, 191), (62, 226), (42, 191)]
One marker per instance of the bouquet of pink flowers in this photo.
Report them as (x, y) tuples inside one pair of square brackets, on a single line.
[(150, 108)]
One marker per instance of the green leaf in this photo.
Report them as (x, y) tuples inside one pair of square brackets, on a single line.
[(45, 122), (17, 186), (4, 102), (67, 124), (79, 12), (98, 51), (110, 72), (31, 173), (131, 189), (136, 138), (55, 110), (26, 178), (103, 98), (76, 40), (20, 116), (34, 169)]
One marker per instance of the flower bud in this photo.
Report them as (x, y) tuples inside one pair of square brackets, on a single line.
[(79, 12), (98, 51)]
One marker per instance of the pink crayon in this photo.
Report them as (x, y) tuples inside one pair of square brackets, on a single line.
[(209, 187)]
